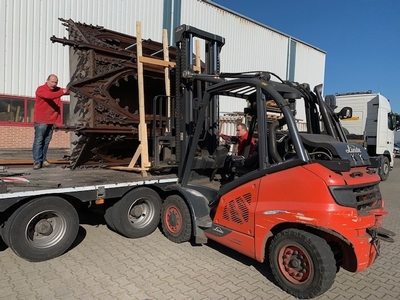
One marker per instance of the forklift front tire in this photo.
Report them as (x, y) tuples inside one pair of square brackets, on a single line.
[(175, 220)]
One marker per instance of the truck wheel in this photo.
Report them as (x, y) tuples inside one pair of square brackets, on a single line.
[(42, 229), (108, 217), (137, 214), (303, 264), (385, 168), (175, 220), (2, 235)]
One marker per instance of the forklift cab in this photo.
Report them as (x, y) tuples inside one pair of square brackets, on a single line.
[(281, 144)]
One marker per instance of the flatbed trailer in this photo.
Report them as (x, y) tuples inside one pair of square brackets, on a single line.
[(84, 184), (39, 209)]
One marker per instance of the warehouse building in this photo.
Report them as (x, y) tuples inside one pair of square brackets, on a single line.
[(28, 56)]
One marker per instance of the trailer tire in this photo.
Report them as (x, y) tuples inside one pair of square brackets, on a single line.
[(137, 214), (302, 263), (108, 217), (2, 235), (42, 229), (5, 232), (175, 220), (385, 168)]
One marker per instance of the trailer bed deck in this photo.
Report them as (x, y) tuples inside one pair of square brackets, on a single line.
[(25, 182)]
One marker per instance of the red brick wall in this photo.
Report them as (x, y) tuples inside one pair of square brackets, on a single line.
[(22, 137)]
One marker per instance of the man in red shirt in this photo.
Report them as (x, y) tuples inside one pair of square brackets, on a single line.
[(240, 139), (45, 115)]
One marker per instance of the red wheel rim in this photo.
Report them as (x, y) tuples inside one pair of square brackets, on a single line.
[(173, 219), (294, 264)]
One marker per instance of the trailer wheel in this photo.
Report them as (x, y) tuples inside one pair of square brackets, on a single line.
[(6, 229), (137, 214), (176, 221), (385, 168), (1, 234), (108, 217), (302, 263), (42, 229)]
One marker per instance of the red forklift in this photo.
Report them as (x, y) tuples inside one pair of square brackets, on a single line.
[(306, 201)]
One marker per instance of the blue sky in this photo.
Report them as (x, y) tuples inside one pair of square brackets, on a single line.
[(361, 38)]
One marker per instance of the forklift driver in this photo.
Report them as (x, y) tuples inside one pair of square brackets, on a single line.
[(240, 139)]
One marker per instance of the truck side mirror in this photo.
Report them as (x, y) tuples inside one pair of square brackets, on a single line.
[(345, 113)]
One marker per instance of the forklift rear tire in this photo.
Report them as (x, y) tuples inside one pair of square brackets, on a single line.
[(137, 214), (385, 168), (42, 229), (175, 220), (302, 263)]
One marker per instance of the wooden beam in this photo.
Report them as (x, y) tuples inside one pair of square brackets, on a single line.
[(197, 67), (142, 115), (167, 80), (156, 61), (160, 62)]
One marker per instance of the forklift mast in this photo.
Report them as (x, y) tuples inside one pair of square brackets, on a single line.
[(189, 92)]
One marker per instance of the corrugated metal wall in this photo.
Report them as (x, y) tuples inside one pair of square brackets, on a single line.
[(28, 56), (310, 68), (248, 46), (310, 65), (253, 47)]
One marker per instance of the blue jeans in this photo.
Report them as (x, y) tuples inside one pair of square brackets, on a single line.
[(41, 141)]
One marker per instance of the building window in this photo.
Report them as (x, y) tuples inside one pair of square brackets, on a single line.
[(12, 110), (19, 110), (29, 117)]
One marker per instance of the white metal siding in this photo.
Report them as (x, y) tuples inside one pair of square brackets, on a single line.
[(252, 47), (248, 46), (310, 65), (309, 68), (27, 55)]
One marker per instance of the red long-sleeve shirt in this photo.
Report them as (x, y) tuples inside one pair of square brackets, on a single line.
[(240, 141), (47, 105)]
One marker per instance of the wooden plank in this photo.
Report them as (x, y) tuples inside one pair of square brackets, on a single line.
[(156, 61), (162, 63), (121, 168), (135, 157), (142, 125), (197, 65), (167, 80)]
